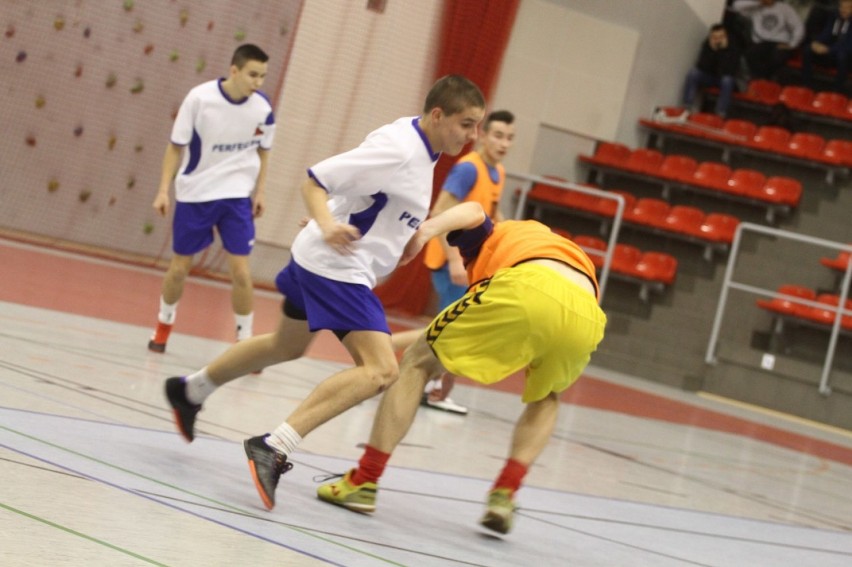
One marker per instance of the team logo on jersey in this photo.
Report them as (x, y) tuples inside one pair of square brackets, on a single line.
[(258, 130)]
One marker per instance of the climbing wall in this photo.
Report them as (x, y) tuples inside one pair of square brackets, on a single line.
[(90, 90)]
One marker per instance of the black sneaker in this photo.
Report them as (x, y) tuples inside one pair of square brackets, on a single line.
[(184, 411), (266, 466), (156, 347)]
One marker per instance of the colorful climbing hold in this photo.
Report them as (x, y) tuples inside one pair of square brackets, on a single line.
[(184, 17), (59, 23), (174, 55), (138, 86), (84, 195), (78, 131), (200, 65), (87, 32), (10, 31), (52, 186), (128, 5), (111, 142), (21, 57), (148, 228), (131, 182), (111, 80), (31, 141), (78, 72), (138, 148), (149, 48), (210, 25), (40, 102), (138, 26), (112, 200), (240, 35)]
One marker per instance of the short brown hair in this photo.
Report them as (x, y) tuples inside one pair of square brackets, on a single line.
[(248, 52), (453, 94)]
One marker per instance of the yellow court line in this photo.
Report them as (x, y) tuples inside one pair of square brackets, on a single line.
[(781, 415)]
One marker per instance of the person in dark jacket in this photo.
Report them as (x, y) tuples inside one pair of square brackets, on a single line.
[(832, 47), (717, 66)]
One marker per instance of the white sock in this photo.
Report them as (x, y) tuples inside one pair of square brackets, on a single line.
[(167, 312), (284, 439), (244, 325), (199, 386)]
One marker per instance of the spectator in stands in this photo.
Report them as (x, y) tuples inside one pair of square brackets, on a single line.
[(717, 65), (831, 47), (776, 31)]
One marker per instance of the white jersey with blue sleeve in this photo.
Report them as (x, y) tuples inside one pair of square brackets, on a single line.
[(222, 137), (383, 187)]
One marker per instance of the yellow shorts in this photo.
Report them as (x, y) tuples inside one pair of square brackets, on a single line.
[(525, 316)]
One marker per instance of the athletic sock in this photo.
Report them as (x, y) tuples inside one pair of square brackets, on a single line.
[(244, 325), (199, 386), (511, 476), (370, 467), (284, 439), (167, 312)]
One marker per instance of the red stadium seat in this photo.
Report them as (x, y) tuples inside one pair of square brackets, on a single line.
[(746, 181), (624, 259), (657, 266), (783, 190), (719, 227), (763, 91), (588, 243), (712, 175), (685, 220), (797, 97), (771, 138), (644, 160), (839, 263), (829, 103), (804, 145), (649, 211), (678, 167), (547, 193), (561, 232), (824, 314), (785, 306), (838, 151), (608, 207), (706, 120), (612, 153), (741, 130)]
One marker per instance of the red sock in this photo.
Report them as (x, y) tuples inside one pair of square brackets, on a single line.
[(511, 476), (370, 467)]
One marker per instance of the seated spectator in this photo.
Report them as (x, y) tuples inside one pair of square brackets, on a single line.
[(717, 66), (831, 47), (776, 31)]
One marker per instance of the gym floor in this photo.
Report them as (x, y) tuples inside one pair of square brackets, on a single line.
[(636, 474)]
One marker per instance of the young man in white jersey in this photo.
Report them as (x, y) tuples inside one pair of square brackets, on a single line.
[(227, 126), (365, 205)]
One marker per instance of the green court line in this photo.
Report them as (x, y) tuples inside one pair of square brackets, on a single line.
[(82, 535), (302, 531)]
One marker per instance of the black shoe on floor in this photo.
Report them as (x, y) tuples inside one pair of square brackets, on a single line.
[(266, 466), (184, 411)]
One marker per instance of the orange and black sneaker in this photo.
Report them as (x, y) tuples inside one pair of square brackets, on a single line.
[(184, 410), (266, 466), (160, 337)]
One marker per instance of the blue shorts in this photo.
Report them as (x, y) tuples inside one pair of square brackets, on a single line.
[(447, 291), (193, 225), (329, 304)]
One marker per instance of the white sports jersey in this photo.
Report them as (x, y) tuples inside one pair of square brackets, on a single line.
[(222, 136), (383, 187)]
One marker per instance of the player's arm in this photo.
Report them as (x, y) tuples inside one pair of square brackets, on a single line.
[(339, 236), (461, 217), (171, 162), (258, 198)]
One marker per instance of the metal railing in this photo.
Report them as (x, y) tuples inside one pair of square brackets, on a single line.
[(729, 283), (530, 180)]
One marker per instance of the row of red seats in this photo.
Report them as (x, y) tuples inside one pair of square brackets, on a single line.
[(628, 260), (654, 213), (798, 98), (839, 263), (743, 133), (815, 314), (710, 175)]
